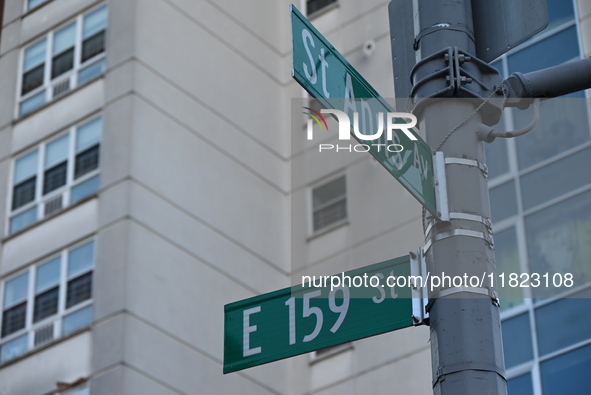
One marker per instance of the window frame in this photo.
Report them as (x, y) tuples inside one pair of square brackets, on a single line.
[(28, 7), (310, 197), (41, 199), (56, 319), (52, 88), (518, 220), (330, 6)]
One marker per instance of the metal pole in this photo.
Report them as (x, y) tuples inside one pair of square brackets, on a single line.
[(466, 343), (549, 82)]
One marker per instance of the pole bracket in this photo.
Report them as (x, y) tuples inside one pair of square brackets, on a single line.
[(460, 232), (440, 180), (418, 269), (442, 371), (491, 293), (466, 217), (452, 72), (468, 162)]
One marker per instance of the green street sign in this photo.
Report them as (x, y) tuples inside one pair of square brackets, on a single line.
[(320, 313), (325, 74)]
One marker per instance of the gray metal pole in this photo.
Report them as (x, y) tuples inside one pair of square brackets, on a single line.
[(466, 343), (549, 82)]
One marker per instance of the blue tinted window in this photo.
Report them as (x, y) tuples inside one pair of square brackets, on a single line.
[(507, 258), (559, 11), (85, 189), (503, 201), (520, 385), (552, 51), (496, 156), (568, 373), (23, 220), (559, 241), (77, 320), (563, 124), (517, 344), (556, 179), (563, 323)]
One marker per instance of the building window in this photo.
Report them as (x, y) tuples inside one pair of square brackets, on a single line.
[(31, 4), (46, 301), (313, 6), (329, 204), (63, 59), (55, 174), (541, 210), (79, 391)]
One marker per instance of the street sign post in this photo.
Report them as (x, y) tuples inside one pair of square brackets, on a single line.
[(318, 314), (325, 74)]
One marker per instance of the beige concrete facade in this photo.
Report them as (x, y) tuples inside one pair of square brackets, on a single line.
[(204, 198)]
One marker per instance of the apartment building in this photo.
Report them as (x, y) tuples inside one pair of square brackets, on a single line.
[(152, 170)]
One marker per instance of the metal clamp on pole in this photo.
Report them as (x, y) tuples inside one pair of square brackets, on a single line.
[(440, 186), (461, 232), (491, 293), (466, 217), (418, 271), (468, 162)]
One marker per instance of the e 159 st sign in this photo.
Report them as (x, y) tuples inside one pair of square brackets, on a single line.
[(301, 319)]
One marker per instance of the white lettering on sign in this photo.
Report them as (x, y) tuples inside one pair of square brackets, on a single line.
[(248, 329), (314, 311), (421, 164), (324, 65), (349, 96), (307, 36)]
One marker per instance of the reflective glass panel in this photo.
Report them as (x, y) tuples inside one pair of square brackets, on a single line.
[(64, 38), (554, 50), (568, 373), (23, 193), (503, 201), (15, 289), (89, 134), (563, 124), (559, 241), (517, 340), (574, 320), (13, 348), (48, 275), (507, 258), (85, 189), (25, 166), (328, 192), (32, 103), (57, 150), (35, 3), (520, 385), (34, 55), (81, 259), (89, 72), (496, 157), (23, 220), (76, 320), (559, 11), (556, 179), (95, 21), (79, 391)]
